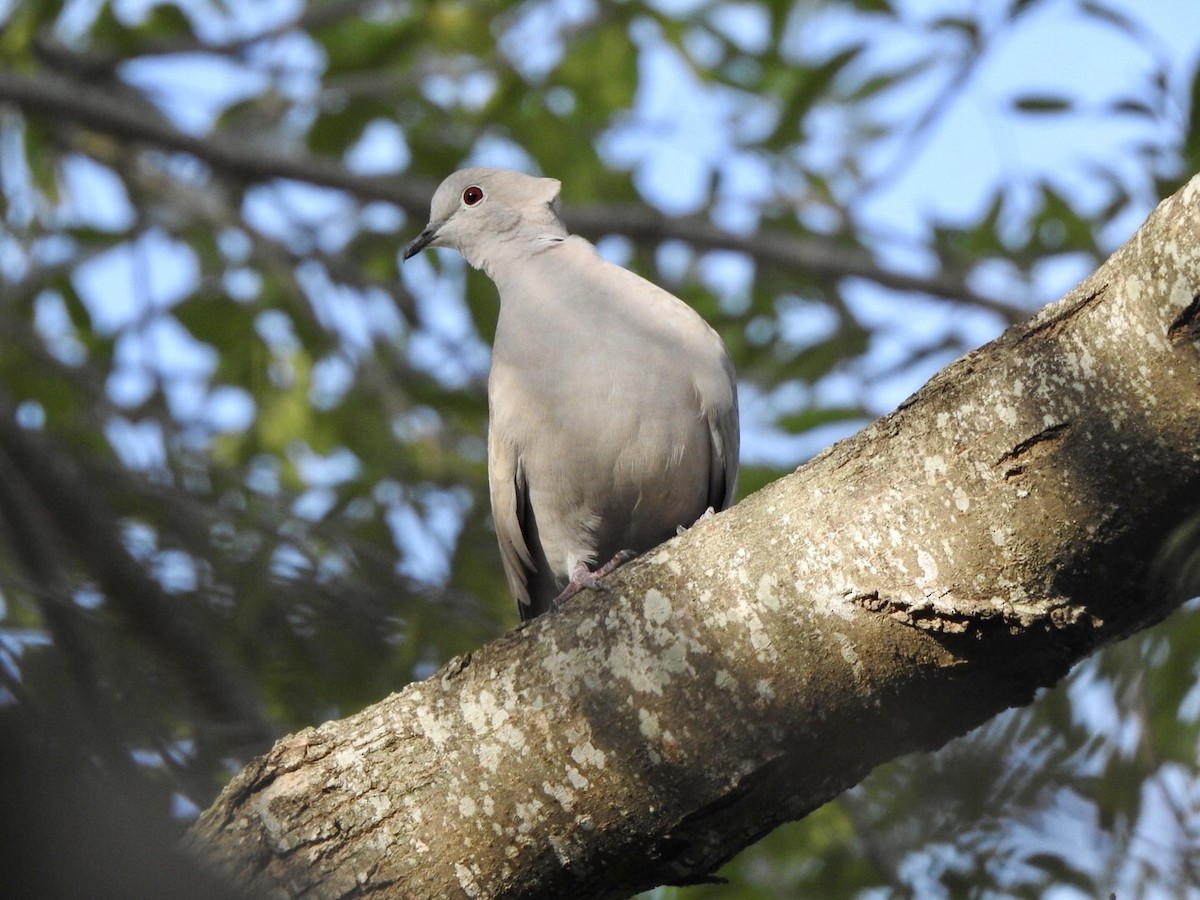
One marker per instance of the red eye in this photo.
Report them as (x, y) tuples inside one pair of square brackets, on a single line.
[(472, 195)]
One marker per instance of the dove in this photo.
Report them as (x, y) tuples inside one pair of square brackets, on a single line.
[(612, 405)]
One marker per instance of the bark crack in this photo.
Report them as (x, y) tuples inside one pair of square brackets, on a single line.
[(1049, 433), (1186, 327), (1051, 325), (945, 615)]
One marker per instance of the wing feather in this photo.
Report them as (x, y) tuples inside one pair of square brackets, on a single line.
[(725, 443), (506, 484)]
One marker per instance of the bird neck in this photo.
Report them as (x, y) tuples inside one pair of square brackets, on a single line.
[(529, 238)]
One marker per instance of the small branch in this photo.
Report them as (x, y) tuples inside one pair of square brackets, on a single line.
[(810, 254)]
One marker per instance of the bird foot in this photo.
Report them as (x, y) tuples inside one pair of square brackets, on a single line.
[(707, 514), (619, 559), (583, 577)]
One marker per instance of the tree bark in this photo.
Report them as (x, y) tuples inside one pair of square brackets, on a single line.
[(898, 590)]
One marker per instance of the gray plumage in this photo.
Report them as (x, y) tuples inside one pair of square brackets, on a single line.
[(613, 414)]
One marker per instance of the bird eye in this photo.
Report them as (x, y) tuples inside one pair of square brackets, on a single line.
[(472, 195)]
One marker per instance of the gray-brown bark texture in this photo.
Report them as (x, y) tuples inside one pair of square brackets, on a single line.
[(898, 590)]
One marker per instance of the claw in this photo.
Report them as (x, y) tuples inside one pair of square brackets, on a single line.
[(583, 577)]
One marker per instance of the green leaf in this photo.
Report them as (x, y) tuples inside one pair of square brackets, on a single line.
[(166, 21), (798, 423)]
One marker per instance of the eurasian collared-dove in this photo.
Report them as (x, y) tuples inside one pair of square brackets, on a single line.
[(613, 415)]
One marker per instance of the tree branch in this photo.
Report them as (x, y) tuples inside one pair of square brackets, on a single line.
[(814, 256), (66, 99), (898, 590)]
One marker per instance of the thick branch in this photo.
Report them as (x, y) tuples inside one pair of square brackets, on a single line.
[(98, 109), (900, 589)]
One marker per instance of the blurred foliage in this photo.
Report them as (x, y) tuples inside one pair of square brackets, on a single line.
[(242, 480)]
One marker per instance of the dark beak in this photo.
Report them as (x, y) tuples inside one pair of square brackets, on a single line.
[(422, 240)]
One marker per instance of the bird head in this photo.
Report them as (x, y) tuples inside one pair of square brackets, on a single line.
[(475, 210)]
